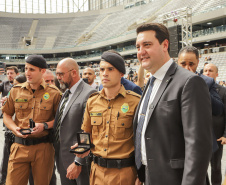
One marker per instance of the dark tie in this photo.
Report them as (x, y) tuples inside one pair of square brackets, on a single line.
[(141, 123), (57, 133)]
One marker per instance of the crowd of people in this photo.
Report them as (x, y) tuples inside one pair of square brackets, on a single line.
[(163, 125)]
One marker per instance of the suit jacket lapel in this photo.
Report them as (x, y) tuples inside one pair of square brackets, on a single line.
[(73, 98), (165, 82)]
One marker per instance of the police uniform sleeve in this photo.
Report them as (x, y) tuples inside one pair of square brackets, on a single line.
[(86, 125), (8, 107)]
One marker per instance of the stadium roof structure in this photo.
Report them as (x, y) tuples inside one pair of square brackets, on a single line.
[(43, 6), (70, 32)]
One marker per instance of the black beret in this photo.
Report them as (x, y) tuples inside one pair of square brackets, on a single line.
[(115, 60), (37, 60)]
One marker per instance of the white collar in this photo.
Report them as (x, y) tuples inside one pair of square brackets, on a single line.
[(74, 87), (160, 73)]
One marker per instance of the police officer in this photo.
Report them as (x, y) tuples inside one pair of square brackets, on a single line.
[(35, 100), (108, 118)]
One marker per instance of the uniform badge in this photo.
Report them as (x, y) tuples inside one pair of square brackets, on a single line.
[(21, 100), (98, 114), (125, 108), (46, 96)]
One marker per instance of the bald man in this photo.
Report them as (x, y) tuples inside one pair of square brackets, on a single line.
[(219, 128), (48, 76), (68, 122), (89, 73)]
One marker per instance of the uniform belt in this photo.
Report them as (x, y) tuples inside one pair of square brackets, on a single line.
[(114, 163), (32, 141)]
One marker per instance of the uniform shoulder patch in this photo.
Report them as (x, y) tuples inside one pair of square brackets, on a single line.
[(18, 85), (133, 93)]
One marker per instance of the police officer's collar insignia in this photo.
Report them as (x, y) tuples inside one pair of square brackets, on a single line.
[(95, 114), (125, 108), (21, 100), (46, 96)]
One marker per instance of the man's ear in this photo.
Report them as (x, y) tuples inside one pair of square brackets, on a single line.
[(165, 44), (43, 71)]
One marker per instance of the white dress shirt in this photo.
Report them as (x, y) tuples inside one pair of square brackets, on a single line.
[(159, 75)]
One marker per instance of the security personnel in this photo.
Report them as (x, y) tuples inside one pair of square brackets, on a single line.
[(108, 118), (35, 100)]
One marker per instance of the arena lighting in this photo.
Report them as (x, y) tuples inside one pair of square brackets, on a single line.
[(209, 23)]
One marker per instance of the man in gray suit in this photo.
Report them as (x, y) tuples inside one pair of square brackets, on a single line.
[(219, 128), (173, 138), (68, 122)]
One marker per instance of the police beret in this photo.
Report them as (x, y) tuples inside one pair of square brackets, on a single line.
[(115, 60), (37, 60)]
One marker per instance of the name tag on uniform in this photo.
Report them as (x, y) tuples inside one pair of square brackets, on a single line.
[(21, 100), (95, 114)]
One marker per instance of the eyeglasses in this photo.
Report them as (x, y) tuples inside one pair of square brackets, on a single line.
[(61, 74)]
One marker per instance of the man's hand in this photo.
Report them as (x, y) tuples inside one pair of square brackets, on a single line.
[(39, 127), (3, 100), (18, 133), (73, 171), (80, 155), (223, 140)]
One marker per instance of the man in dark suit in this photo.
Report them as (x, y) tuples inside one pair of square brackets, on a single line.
[(68, 122), (188, 58), (219, 128), (174, 131)]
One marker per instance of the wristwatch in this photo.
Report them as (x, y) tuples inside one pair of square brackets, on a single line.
[(45, 126), (77, 163)]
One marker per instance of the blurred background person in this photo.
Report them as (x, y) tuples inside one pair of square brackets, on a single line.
[(219, 128)]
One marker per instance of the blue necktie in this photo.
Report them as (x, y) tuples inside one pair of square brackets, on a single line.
[(141, 123)]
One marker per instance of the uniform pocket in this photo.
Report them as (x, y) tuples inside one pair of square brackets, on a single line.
[(96, 123), (45, 109), (123, 126), (21, 109)]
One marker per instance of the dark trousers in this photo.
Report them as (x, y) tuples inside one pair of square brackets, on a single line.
[(5, 159), (83, 178), (52, 181), (4, 164), (216, 176)]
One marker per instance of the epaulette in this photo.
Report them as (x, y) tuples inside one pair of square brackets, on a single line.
[(93, 94), (18, 85), (133, 93)]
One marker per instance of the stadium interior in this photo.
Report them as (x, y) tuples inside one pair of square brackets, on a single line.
[(85, 35)]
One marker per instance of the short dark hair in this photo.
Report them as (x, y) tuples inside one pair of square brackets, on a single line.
[(13, 68), (161, 32), (21, 78), (189, 49)]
